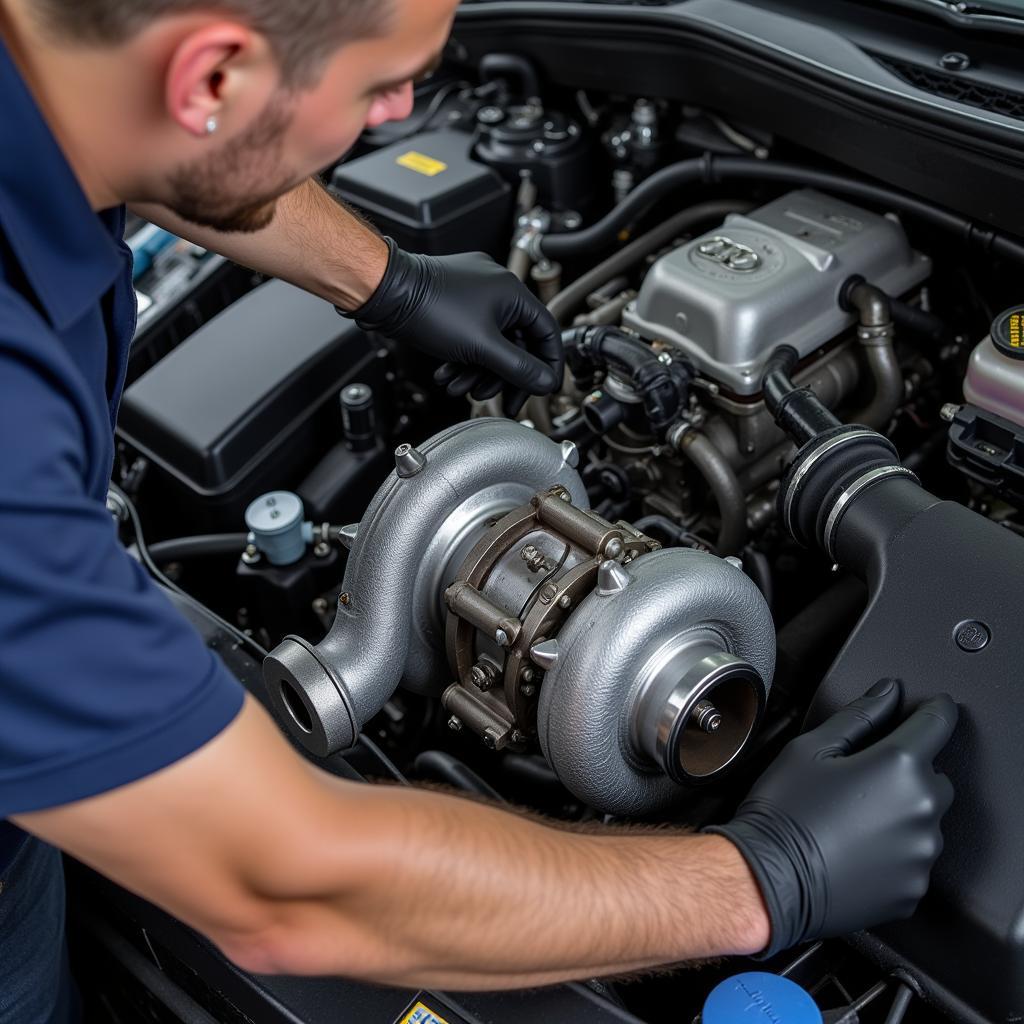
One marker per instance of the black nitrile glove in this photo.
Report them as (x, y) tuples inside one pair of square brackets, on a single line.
[(840, 838), (474, 314)]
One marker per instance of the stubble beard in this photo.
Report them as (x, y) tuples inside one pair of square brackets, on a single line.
[(206, 191)]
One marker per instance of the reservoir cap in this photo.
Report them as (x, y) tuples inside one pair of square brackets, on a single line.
[(275, 522), (1008, 332), (759, 998)]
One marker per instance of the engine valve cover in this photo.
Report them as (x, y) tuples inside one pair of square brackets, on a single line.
[(771, 277)]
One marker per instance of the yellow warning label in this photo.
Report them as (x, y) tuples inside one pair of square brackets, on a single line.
[(1017, 330), (421, 1014), (421, 164)]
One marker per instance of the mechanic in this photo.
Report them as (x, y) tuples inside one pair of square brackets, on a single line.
[(125, 742)]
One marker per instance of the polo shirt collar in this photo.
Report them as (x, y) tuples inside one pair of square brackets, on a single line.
[(63, 246)]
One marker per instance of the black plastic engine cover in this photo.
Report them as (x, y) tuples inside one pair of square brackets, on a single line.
[(247, 404), (947, 591)]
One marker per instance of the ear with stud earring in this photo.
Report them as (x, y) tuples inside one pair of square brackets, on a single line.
[(211, 125)]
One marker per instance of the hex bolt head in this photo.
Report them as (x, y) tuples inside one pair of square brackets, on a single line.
[(455, 723), (480, 678), (948, 412), (565, 602), (501, 638)]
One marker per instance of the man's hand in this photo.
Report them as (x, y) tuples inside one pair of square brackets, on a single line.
[(840, 839), (491, 331)]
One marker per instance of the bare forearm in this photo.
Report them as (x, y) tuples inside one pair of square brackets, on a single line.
[(350, 256), (441, 891)]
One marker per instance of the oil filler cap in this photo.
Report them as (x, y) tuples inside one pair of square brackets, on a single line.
[(759, 998), (1008, 332)]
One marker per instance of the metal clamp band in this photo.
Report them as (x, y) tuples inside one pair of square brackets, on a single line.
[(810, 462), (859, 485)]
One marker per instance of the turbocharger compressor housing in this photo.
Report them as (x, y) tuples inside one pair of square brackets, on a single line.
[(440, 498), (659, 682)]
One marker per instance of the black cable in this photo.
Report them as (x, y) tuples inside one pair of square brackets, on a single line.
[(199, 546), (711, 169), (444, 767), (364, 741), (154, 571)]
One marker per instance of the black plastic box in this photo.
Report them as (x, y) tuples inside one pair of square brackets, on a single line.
[(428, 194), (247, 404)]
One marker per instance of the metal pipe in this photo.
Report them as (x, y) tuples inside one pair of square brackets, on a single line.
[(723, 484), (519, 263), (885, 372), (875, 334), (900, 1005)]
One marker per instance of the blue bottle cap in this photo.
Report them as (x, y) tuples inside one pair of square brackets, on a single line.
[(759, 998)]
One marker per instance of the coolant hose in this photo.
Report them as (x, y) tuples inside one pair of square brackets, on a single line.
[(723, 484), (710, 169)]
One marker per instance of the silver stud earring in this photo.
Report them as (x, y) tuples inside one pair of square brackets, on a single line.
[(211, 125)]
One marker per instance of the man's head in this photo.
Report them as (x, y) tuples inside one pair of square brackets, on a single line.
[(232, 103)]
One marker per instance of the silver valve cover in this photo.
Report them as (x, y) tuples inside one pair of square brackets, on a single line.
[(730, 297)]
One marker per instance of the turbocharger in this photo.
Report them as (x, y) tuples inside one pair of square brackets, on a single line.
[(480, 575)]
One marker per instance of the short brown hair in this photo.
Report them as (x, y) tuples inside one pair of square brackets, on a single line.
[(302, 33)]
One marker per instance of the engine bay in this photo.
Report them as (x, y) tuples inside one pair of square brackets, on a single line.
[(787, 460)]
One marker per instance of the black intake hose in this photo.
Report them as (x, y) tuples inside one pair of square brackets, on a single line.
[(798, 411), (180, 548), (662, 387), (710, 170)]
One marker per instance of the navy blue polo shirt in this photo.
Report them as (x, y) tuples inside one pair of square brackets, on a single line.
[(101, 680)]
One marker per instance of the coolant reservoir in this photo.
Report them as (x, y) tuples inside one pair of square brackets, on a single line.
[(995, 375)]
